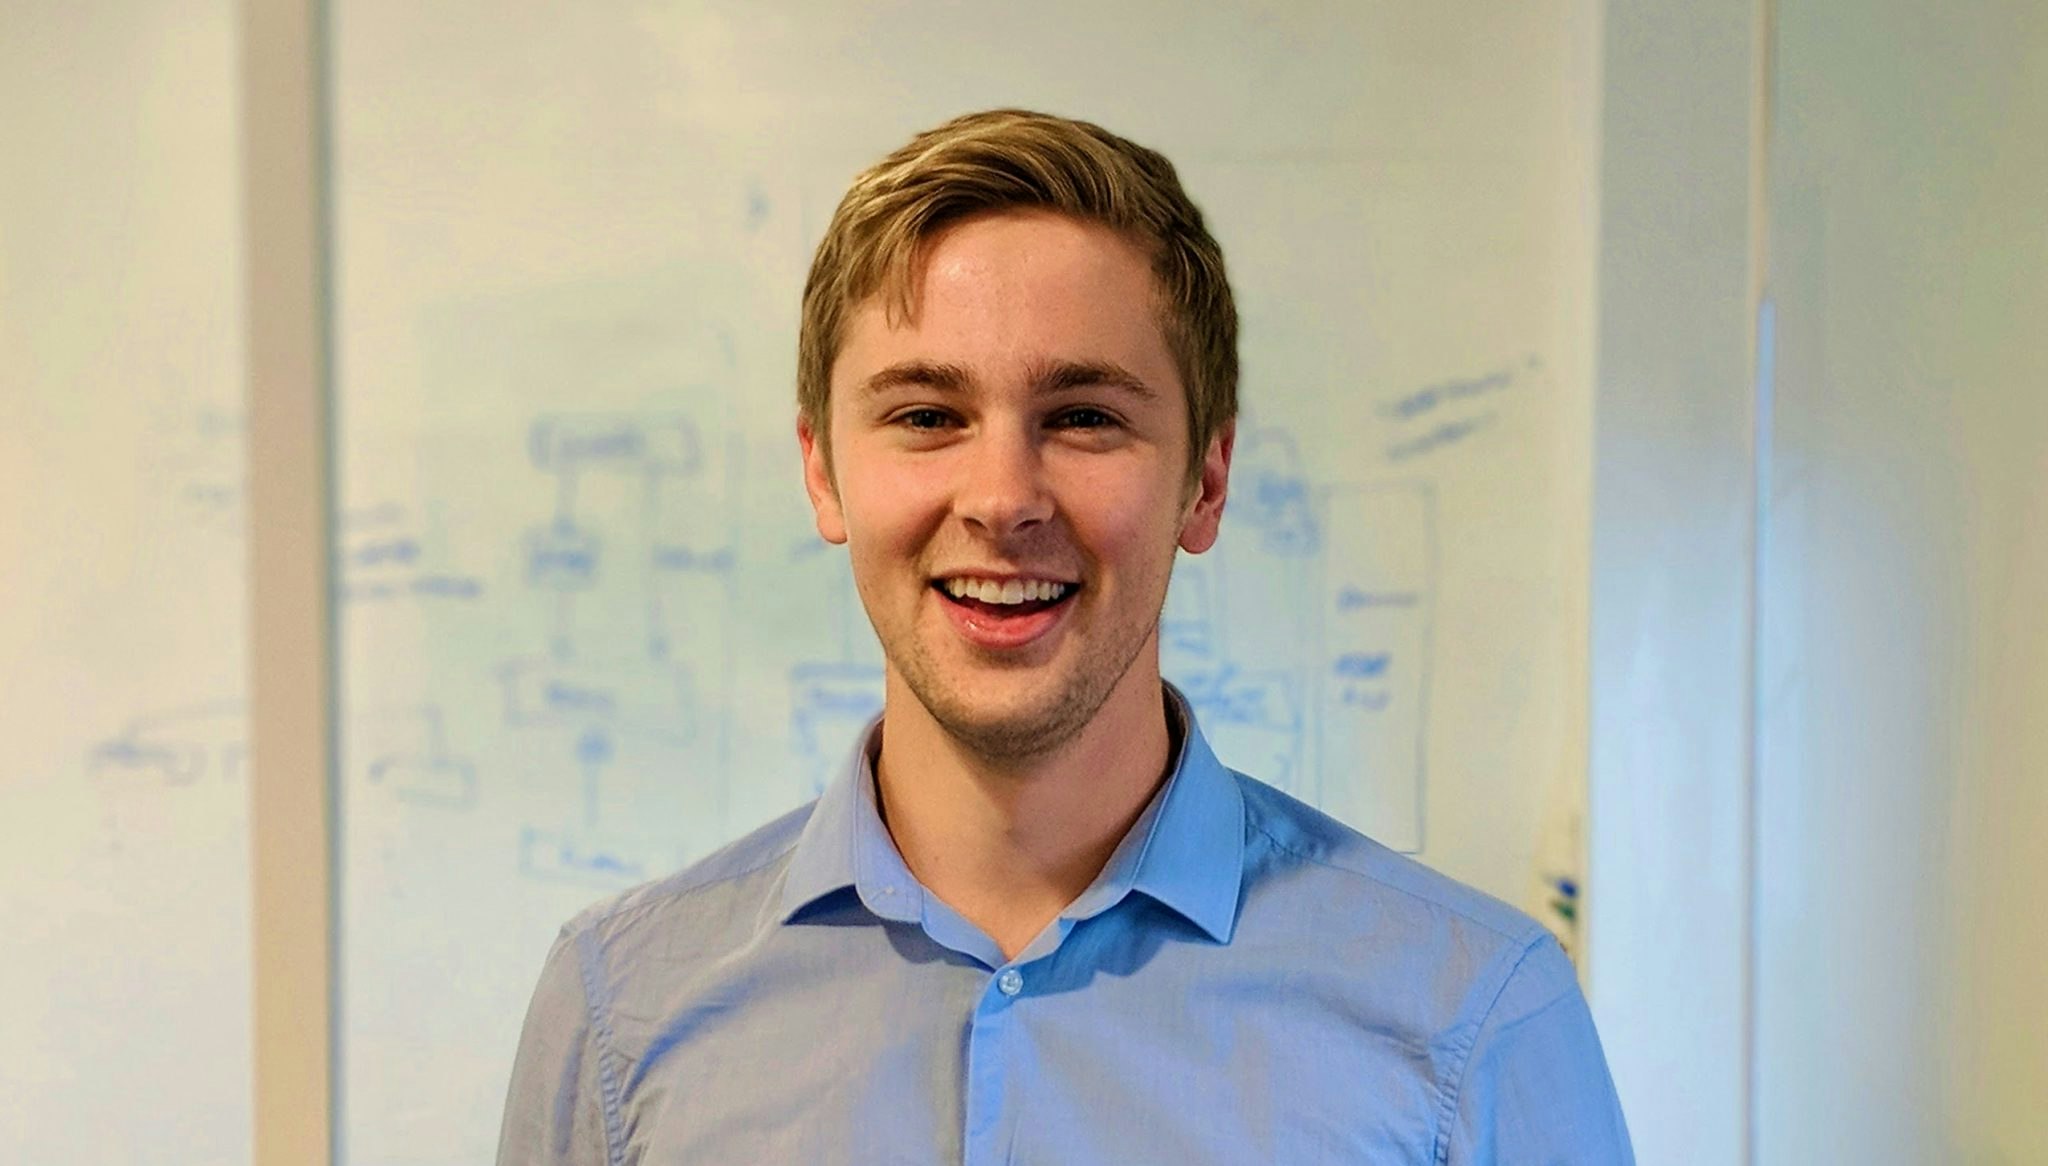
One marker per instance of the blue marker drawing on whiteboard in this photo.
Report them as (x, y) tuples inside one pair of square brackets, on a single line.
[(829, 703), (1229, 696), (593, 750), (585, 861), (570, 443), (194, 461), (677, 483), (1430, 398), (561, 556), (1188, 622), (379, 560), (177, 746), (715, 561), (1351, 598), (634, 570), (1375, 648), (1450, 412), (408, 754), (401, 551), (1362, 665), (1271, 493), (1444, 434), (193, 754), (650, 698), (1302, 639), (1257, 715), (605, 841)]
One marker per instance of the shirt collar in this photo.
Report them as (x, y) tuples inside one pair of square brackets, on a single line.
[(1186, 850), (845, 844)]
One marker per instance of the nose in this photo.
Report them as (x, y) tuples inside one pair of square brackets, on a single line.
[(1002, 489)]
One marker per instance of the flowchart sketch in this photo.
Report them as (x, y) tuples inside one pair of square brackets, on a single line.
[(569, 443), (593, 860), (380, 557), (1255, 718), (1239, 620), (829, 703), (1373, 662), (561, 556), (621, 814), (644, 696), (406, 753), (1188, 624), (642, 517), (176, 746), (1273, 495)]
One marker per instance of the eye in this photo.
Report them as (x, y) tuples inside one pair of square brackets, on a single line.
[(923, 418), (1084, 417)]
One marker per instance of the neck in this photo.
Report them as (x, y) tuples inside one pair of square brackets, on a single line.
[(1010, 843)]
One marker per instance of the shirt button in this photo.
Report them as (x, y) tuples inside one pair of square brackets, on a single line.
[(1010, 982)]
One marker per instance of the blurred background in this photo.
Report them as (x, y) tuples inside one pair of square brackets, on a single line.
[(1640, 512)]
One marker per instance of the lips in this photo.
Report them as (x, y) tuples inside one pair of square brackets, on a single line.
[(1004, 626)]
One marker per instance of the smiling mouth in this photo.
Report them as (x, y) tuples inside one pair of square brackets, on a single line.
[(997, 609)]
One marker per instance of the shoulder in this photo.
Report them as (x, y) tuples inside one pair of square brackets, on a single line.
[(1417, 934), (713, 903), (1290, 840), (1449, 968)]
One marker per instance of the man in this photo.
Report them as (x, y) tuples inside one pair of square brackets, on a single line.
[(1035, 920)]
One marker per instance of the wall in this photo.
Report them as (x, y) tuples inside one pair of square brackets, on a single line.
[(1903, 780), (1673, 531)]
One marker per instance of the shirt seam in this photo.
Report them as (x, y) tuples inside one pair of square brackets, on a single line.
[(1523, 936), (1462, 1055), (621, 915), (609, 1090)]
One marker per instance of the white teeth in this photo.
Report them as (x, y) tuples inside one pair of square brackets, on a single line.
[(1009, 592)]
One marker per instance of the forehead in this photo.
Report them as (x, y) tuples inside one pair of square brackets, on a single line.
[(999, 292)]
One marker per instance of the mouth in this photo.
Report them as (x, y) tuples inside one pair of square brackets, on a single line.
[(998, 613), (1003, 598)]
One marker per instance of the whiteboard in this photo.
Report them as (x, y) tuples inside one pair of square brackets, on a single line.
[(588, 632), (124, 869)]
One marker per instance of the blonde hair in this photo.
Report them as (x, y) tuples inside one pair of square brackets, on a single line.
[(1015, 159)]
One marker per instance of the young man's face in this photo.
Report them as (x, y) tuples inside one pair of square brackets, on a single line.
[(1026, 433)]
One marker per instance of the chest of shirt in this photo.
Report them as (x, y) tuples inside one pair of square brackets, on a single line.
[(1102, 1052)]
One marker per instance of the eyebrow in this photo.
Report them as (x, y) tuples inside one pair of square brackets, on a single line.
[(1051, 376)]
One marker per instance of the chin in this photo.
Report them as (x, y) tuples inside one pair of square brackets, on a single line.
[(1029, 724), (1015, 715)]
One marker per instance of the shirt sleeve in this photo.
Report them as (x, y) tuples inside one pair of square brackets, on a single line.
[(554, 1109), (1536, 1090)]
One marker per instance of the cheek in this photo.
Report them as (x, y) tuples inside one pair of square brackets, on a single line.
[(1135, 525), (888, 513)]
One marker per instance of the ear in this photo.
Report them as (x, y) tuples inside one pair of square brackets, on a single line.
[(1205, 507), (818, 484)]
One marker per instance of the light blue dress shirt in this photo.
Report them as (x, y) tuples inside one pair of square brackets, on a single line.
[(1247, 981)]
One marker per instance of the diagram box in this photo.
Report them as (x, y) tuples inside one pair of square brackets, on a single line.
[(656, 443), (649, 697)]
